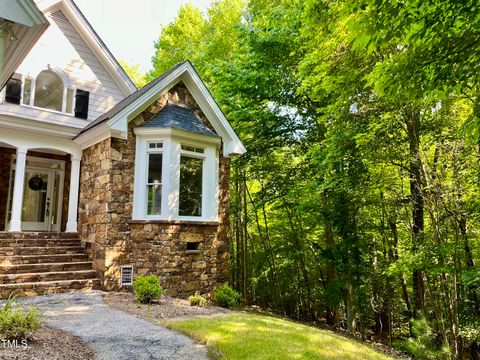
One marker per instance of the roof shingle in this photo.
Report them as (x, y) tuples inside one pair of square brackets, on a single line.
[(179, 117)]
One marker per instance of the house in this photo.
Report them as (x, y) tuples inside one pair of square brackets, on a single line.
[(100, 181)]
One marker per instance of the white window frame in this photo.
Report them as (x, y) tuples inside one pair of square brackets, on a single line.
[(148, 152), (172, 140), (66, 86)]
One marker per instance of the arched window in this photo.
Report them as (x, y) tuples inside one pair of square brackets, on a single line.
[(49, 91)]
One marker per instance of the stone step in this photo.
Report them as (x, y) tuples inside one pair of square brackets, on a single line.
[(47, 287), (37, 235), (40, 259), (38, 242), (47, 276), (44, 250), (45, 267)]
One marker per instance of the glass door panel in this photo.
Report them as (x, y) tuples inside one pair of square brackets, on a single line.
[(36, 207)]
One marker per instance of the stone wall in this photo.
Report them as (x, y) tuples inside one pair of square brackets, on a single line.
[(154, 247)]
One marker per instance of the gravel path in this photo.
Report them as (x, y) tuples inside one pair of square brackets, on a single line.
[(114, 334)]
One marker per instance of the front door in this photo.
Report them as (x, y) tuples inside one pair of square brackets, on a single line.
[(37, 199), (42, 194)]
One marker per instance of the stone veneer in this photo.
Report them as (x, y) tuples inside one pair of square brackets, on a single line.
[(152, 247)]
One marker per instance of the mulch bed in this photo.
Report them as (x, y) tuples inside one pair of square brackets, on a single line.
[(49, 344), (168, 308)]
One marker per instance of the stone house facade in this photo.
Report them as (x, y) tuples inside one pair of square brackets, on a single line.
[(139, 177)]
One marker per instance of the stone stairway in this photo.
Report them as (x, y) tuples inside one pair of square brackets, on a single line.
[(43, 263)]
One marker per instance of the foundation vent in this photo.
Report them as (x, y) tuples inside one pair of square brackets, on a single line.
[(59, 15), (126, 275)]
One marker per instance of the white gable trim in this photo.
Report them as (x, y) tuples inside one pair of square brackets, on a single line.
[(187, 74), (28, 24), (91, 38)]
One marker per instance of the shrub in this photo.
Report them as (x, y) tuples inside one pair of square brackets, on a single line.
[(225, 296), (423, 344), (197, 300), (147, 289), (17, 323)]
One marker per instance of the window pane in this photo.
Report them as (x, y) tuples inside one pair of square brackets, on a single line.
[(69, 104), (48, 91), (154, 203), (27, 89), (155, 168), (190, 186)]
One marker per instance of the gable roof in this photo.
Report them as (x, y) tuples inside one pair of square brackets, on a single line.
[(176, 116), (27, 24), (91, 38), (115, 122), (128, 100)]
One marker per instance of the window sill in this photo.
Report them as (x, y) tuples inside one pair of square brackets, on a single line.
[(47, 110), (176, 222), (193, 251)]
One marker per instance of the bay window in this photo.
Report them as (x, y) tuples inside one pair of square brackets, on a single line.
[(176, 176)]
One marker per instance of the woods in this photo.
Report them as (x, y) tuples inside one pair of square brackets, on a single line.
[(357, 203)]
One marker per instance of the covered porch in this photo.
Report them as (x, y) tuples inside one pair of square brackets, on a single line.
[(39, 182)]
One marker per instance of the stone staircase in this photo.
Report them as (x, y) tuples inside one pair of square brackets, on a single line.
[(43, 263)]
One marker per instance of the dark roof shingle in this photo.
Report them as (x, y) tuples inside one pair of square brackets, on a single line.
[(179, 117)]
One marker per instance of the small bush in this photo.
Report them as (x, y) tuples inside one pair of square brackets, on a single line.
[(423, 344), (225, 296), (17, 323), (197, 300), (147, 289)]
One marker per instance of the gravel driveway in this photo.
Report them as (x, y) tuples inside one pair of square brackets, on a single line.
[(112, 333)]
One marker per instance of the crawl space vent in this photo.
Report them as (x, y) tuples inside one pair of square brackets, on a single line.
[(126, 275)]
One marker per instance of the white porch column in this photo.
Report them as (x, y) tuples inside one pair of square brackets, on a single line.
[(73, 195), (17, 199)]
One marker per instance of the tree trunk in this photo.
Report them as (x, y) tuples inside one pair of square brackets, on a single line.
[(331, 311), (415, 178)]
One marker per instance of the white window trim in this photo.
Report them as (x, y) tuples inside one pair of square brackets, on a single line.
[(66, 85), (172, 140)]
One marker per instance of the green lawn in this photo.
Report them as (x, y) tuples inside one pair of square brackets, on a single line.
[(254, 336)]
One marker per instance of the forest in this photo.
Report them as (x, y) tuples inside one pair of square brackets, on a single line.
[(357, 204)]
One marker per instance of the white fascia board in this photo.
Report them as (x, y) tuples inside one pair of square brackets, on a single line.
[(136, 107), (177, 133), (187, 74), (32, 141), (212, 111), (90, 138), (26, 125), (87, 33)]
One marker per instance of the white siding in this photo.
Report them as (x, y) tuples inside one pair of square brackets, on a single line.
[(62, 47)]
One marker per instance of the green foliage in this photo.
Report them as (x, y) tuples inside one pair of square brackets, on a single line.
[(134, 73), (225, 296), (423, 343), (147, 289), (197, 300), (361, 122), (17, 323)]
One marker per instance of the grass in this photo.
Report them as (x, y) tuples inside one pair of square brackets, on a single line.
[(260, 337)]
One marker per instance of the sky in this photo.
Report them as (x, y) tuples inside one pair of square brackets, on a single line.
[(130, 27)]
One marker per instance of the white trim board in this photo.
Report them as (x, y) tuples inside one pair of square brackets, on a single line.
[(187, 74)]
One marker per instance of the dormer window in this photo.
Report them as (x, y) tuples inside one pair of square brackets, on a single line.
[(51, 89)]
